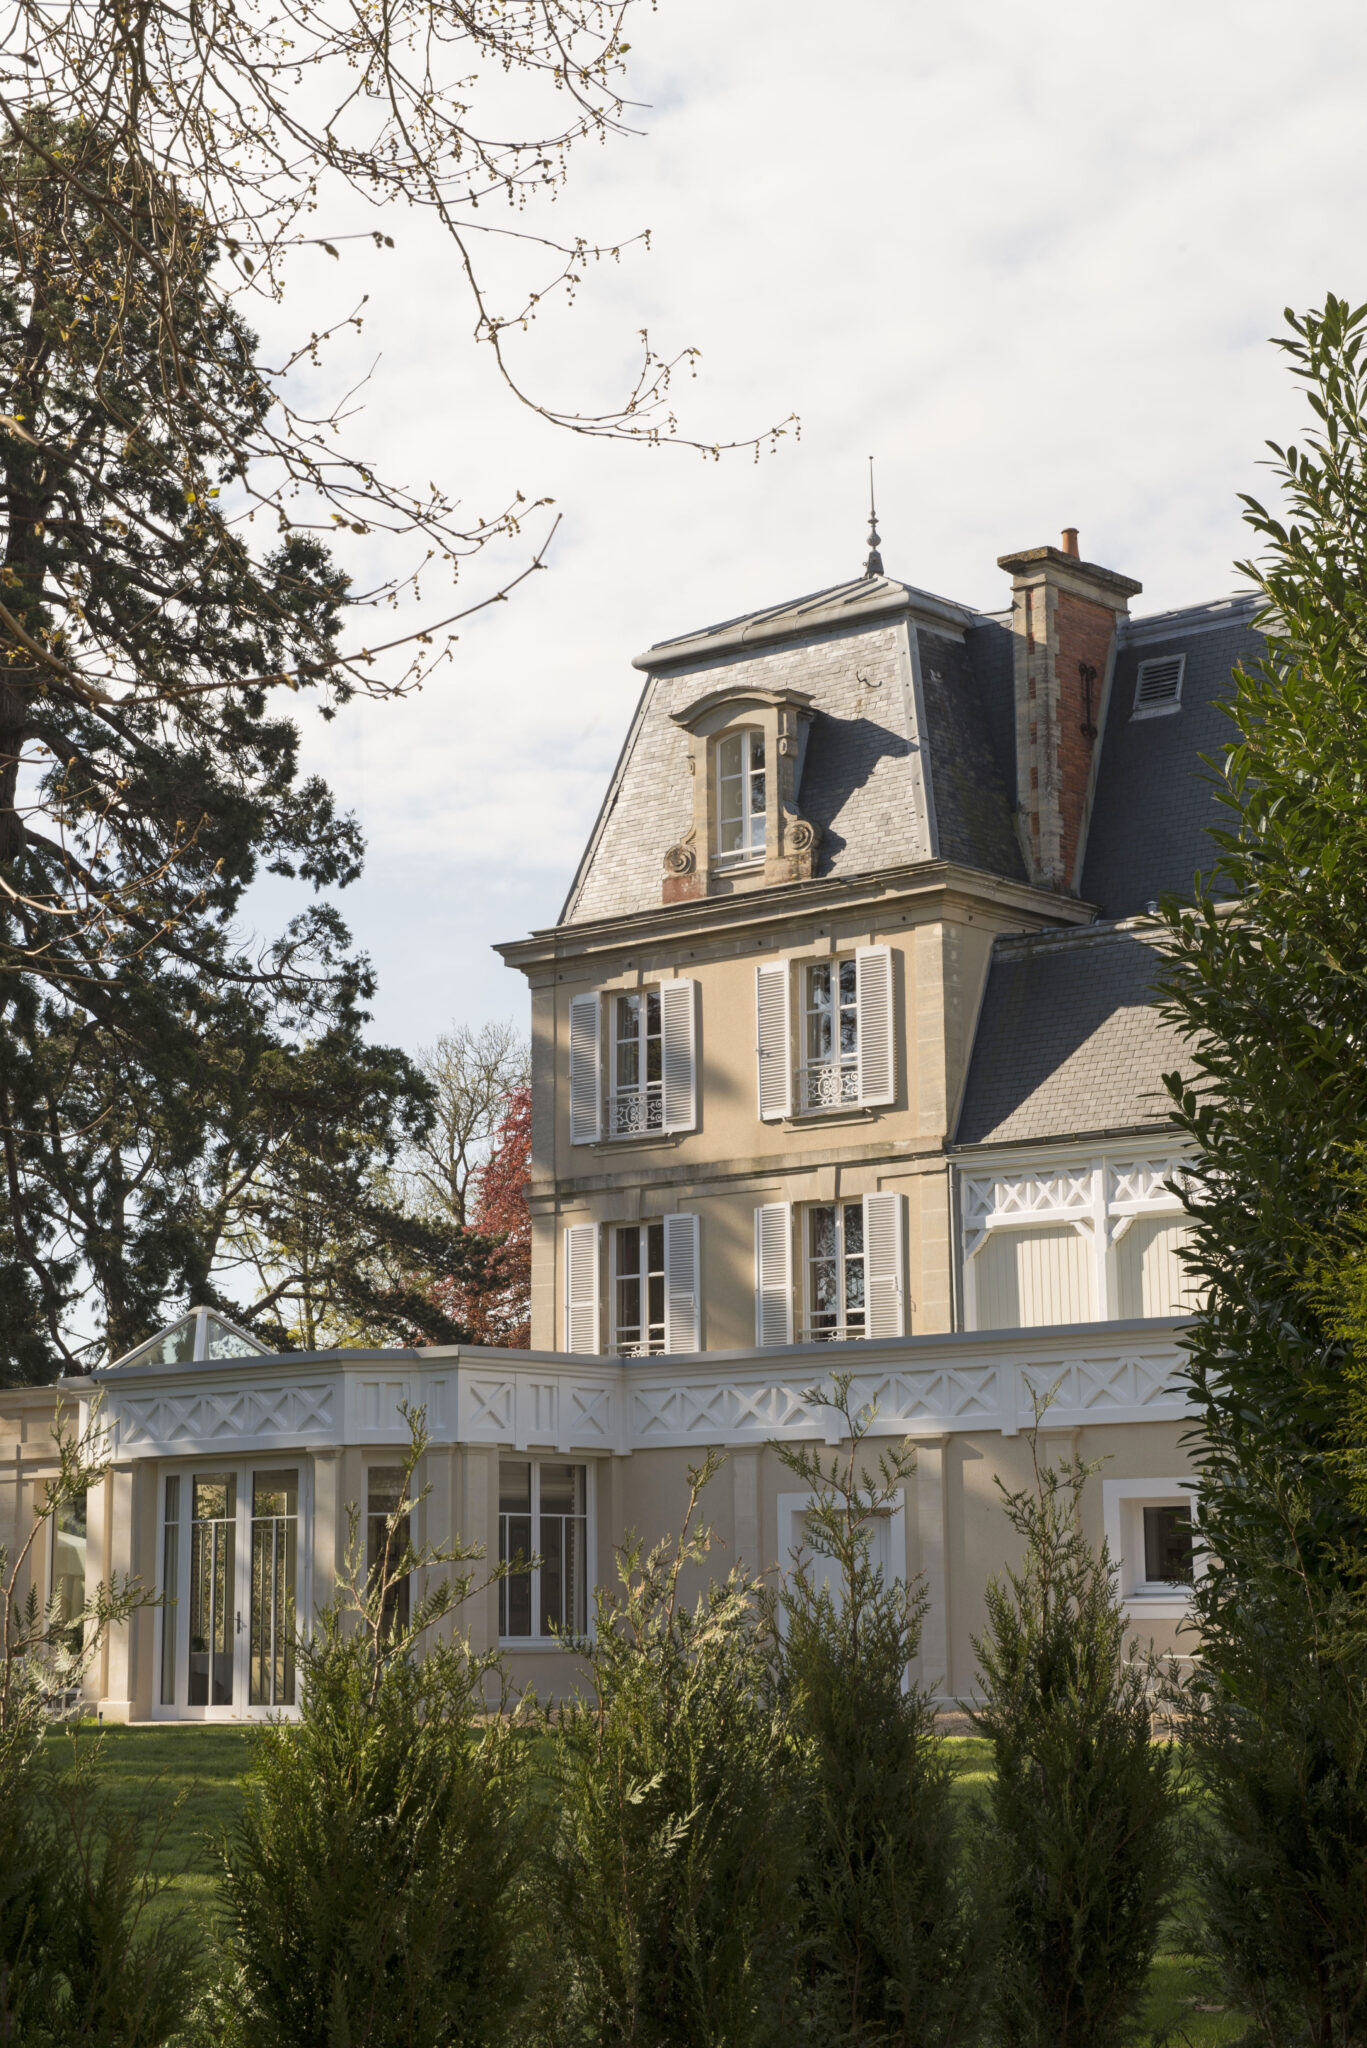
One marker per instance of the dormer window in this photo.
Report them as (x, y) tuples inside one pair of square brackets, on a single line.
[(740, 794)]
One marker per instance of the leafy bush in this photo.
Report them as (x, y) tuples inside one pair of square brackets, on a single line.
[(669, 1894), (1265, 979), (887, 1936), (1081, 1841), (372, 1883)]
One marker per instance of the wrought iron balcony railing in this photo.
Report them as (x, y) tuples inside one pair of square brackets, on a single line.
[(830, 1085)]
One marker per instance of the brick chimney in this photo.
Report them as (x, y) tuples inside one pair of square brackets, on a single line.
[(1064, 616)]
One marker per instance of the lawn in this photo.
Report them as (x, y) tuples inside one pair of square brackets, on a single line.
[(206, 1763), (154, 1766)]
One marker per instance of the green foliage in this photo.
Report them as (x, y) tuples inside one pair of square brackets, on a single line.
[(1081, 1839), (84, 1960), (372, 1882), (886, 1932), (1270, 990), (165, 1077), (669, 1893)]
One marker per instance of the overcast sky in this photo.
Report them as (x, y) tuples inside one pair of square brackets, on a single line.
[(1027, 257)]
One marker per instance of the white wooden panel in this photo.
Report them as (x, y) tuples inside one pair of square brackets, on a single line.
[(774, 1039), (884, 1282), (586, 1088), (1026, 1279), (873, 982), (774, 1273), (1150, 1277), (678, 1030), (682, 1320), (581, 1287)]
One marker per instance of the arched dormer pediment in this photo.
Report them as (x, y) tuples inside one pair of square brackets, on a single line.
[(746, 751)]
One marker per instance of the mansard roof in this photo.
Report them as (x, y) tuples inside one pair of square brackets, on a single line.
[(911, 754), (1155, 801), (911, 699), (1068, 1041)]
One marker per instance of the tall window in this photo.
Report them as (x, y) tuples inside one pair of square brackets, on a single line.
[(275, 1562), (213, 1550), (68, 1564), (384, 1490), (170, 1583), (740, 794), (543, 1512), (830, 1035), (639, 1289), (835, 1305), (637, 1064)]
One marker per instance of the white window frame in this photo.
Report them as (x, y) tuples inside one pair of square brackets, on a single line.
[(641, 1348), (536, 1461), (750, 852), (173, 1612), (639, 1111), (793, 1509), (833, 1082), (1122, 1518), (841, 1333)]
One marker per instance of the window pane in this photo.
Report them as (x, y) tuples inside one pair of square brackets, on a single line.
[(1168, 1541), (384, 1490), (848, 983), (277, 1493), (562, 1489), (854, 1228), (655, 1246), (731, 756), (822, 1226), (628, 1036), (552, 1574), (215, 1496), (170, 1589), (222, 1342), (514, 1486)]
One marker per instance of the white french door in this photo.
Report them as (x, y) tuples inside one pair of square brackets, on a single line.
[(231, 1568)]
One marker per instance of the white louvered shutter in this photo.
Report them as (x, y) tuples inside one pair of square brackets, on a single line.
[(774, 1273), (774, 1039), (678, 1030), (683, 1331), (586, 1087), (581, 1288), (884, 1267), (873, 984)]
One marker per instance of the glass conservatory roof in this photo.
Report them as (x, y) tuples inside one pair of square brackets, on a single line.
[(201, 1334)]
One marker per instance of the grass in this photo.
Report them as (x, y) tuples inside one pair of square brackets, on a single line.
[(206, 1765), (202, 1767)]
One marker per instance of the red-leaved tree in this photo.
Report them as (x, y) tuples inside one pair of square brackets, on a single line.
[(499, 1312)]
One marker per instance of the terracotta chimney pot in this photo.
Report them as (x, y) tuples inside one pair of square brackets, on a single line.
[(1070, 541)]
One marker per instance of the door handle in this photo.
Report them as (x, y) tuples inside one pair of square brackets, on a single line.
[(239, 1621)]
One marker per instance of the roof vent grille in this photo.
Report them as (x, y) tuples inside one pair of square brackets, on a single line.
[(1159, 687)]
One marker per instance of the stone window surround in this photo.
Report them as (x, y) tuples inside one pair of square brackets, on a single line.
[(784, 718)]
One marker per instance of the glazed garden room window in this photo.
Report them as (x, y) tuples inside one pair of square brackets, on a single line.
[(740, 794), (542, 1513)]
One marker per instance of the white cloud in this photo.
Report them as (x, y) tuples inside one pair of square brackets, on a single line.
[(1029, 258)]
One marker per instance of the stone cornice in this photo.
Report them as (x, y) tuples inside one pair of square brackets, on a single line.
[(794, 903)]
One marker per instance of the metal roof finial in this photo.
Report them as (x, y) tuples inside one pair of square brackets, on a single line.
[(874, 565)]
